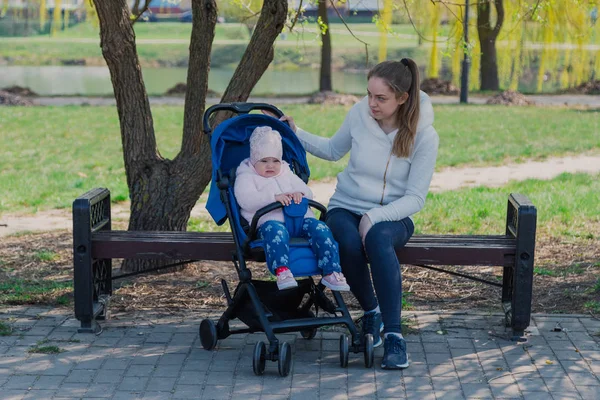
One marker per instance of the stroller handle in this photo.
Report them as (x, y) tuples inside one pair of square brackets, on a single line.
[(274, 206), (238, 108)]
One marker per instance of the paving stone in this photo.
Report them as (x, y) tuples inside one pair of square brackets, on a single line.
[(101, 390), (20, 382), (133, 384), (72, 390), (161, 384), (333, 394), (13, 394), (156, 395), (505, 390), (187, 392), (536, 395), (80, 376)]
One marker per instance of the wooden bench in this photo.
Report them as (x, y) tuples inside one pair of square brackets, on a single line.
[(95, 244)]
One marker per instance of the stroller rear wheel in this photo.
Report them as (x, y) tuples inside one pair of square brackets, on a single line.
[(259, 358), (284, 362), (208, 334), (344, 350), (369, 353)]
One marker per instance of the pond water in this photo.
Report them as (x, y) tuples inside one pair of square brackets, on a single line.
[(95, 81)]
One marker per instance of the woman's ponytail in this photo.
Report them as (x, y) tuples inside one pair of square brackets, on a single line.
[(408, 113)]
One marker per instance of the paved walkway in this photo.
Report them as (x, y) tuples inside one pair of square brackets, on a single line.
[(145, 356)]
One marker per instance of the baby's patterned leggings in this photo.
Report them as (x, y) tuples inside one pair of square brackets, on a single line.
[(276, 239)]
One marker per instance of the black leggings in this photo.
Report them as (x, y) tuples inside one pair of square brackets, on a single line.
[(380, 244)]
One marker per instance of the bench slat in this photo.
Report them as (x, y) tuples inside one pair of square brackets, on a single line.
[(493, 250)]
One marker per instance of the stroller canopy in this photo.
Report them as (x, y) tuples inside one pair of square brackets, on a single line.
[(230, 145)]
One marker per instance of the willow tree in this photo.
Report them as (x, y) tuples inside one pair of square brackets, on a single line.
[(164, 191), (558, 38)]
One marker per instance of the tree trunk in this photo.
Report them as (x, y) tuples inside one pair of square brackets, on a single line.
[(163, 192), (325, 74), (487, 39)]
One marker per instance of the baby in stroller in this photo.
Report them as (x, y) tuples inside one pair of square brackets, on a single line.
[(264, 178)]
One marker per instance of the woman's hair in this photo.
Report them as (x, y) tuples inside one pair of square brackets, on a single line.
[(402, 77)]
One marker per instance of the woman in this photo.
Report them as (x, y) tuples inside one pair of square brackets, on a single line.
[(393, 148)]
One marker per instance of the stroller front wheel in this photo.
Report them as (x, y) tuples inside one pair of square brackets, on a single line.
[(284, 362), (259, 358), (208, 334)]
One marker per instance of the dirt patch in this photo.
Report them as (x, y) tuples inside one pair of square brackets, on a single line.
[(332, 98), (436, 86), (510, 98), (20, 91), (181, 88), (9, 99), (591, 87), (567, 279)]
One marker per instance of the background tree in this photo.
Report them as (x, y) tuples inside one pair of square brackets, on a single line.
[(488, 31), (246, 12), (325, 32), (162, 191)]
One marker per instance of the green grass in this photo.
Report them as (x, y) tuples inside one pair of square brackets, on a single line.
[(45, 255), (5, 329), (567, 206), (544, 272), (41, 349), (19, 291), (50, 155), (593, 306)]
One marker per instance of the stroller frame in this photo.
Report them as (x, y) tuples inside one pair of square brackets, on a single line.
[(276, 351)]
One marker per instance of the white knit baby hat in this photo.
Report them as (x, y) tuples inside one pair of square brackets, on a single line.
[(265, 142)]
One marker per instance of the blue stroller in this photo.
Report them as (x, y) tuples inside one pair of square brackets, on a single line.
[(258, 303)]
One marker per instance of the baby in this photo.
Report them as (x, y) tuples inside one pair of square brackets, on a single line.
[(265, 178)]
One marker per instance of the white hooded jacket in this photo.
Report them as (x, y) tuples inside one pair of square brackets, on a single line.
[(253, 192), (376, 182)]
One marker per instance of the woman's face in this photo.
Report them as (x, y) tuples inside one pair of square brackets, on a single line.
[(268, 167), (382, 99)]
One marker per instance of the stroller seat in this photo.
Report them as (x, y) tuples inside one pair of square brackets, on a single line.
[(259, 304)]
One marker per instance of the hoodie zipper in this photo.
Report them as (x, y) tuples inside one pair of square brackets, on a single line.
[(384, 177)]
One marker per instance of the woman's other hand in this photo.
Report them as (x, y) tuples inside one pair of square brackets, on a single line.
[(364, 227), (285, 118), (284, 198)]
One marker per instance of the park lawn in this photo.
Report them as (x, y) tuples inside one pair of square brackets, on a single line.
[(50, 155), (567, 208)]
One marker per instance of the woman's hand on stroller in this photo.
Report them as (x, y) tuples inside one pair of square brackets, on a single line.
[(285, 118)]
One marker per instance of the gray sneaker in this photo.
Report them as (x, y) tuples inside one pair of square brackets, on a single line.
[(394, 353), (372, 323)]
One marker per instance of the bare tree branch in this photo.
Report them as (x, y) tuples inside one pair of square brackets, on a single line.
[(142, 11), (296, 16), (352, 33)]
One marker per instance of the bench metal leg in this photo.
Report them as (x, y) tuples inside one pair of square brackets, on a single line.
[(518, 282), (92, 278)]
